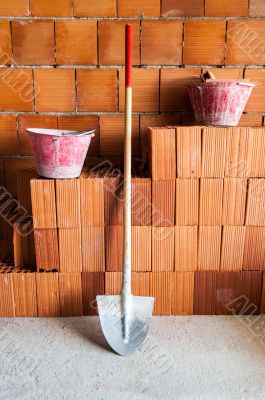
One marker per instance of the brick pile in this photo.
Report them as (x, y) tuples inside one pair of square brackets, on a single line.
[(63, 66), (198, 228)]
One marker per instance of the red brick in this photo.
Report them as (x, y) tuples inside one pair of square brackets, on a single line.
[(113, 248), (254, 248), (226, 8), (5, 34), (112, 135), (33, 42), (93, 284), (46, 249), (23, 188), (99, 8), (213, 152), (232, 247), (161, 167), (141, 248), (14, 8), (256, 8), (167, 36), (209, 248), (68, 203), (211, 194), (163, 202), (186, 244), (228, 288), (8, 134), (70, 294), (234, 201), (93, 249), (73, 122), (43, 203), (12, 166), (237, 157), (245, 44), (141, 201), (24, 287), (182, 293), (48, 294), (7, 305), (250, 120), (16, 87), (187, 202), (145, 90), (255, 159), (255, 211), (226, 73), (163, 251), (137, 8), (204, 42), (204, 292), (76, 42), (256, 102), (140, 283), (188, 142), (187, 8), (160, 289), (111, 36), (113, 282), (70, 249), (173, 88), (113, 200), (29, 121), (55, 8), (96, 90), (161, 120), (56, 89), (92, 201), (251, 285)]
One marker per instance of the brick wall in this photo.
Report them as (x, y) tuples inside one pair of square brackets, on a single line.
[(62, 65)]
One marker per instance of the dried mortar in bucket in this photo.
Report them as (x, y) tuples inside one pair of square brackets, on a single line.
[(60, 153), (218, 101)]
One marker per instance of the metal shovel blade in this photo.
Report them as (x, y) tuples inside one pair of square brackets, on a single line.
[(110, 309)]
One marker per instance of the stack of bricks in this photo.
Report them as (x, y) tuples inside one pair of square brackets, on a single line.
[(63, 67), (218, 228), (198, 230)]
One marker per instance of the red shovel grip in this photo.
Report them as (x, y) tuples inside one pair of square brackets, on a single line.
[(128, 55)]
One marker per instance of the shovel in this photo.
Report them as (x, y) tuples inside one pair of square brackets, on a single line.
[(125, 319)]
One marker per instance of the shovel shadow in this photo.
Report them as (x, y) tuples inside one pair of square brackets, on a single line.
[(88, 329)]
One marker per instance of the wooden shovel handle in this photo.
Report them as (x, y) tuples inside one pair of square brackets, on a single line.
[(126, 284), (128, 56)]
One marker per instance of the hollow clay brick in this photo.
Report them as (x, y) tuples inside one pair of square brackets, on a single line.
[(163, 202), (70, 294), (33, 42), (232, 252), (182, 291), (187, 201), (93, 249), (48, 294), (93, 284), (188, 152), (186, 243), (112, 39)]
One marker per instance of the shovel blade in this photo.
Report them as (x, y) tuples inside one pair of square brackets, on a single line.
[(112, 322)]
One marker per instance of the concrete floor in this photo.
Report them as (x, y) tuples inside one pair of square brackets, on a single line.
[(184, 358)]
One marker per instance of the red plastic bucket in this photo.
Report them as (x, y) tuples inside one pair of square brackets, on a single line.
[(219, 102), (60, 153)]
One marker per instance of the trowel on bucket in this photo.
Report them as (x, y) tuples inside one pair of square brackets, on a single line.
[(125, 319)]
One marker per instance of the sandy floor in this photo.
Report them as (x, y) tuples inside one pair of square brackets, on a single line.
[(184, 358)]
